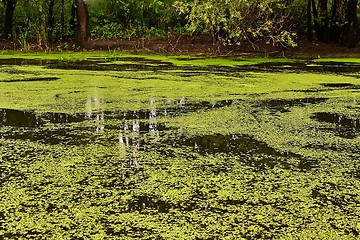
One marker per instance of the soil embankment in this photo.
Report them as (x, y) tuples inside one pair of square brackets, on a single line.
[(196, 45)]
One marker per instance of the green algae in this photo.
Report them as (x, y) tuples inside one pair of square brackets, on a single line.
[(338, 60), (152, 154), (121, 58)]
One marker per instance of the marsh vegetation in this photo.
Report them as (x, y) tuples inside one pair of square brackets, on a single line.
[(169, 147)]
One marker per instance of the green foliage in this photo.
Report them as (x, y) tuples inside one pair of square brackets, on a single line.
[(236, 21), (1, 15), (30, 20), (130, 19), (275, 22)]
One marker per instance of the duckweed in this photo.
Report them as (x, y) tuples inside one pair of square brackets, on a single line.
[(150, 147)]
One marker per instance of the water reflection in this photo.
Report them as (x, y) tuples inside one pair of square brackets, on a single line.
[(16, 118), (93, 111), (136, 129), (344, 126), (132, 131), (284, 105)]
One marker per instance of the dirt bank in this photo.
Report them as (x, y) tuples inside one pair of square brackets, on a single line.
[(196, 45)]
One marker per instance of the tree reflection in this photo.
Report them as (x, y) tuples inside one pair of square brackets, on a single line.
[(93, 111)]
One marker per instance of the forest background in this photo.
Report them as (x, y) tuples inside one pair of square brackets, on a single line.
[(280, 23)]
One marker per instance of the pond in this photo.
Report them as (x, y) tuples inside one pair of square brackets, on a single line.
[(169, 147)]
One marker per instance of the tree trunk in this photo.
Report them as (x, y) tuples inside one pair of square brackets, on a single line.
[(323, 33), (82, 23), (334, 28), (9, 15), (352, 25), (62, 20), (309, 20), (50, 20), (315, 17)]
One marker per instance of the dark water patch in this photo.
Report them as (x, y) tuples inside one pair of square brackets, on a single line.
[(253, 152), (283, 105), (138, 63), (143, 120), (17, 118), (319, 67), (52, 137), (339, 85), (337, 118), (190, 58), (54, 117), (180, 108), (81, 135), (73, 92), (143, 60), (22, 61), (228, 144), (189, 73), (13, 71), (335, 67), (88, 61), (174, 108), (140, 127), (34, 79), (309, 90), (135, 64), (142, 203), (93, 66), (345, 127)]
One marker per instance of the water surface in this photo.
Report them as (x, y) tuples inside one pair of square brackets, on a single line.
[(135, 147)]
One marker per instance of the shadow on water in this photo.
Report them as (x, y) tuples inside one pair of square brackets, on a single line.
[(320, 67), (19, 118), (283, 105), (242, 145), (16, 118), (143, 64), (105, 64), (341, 85), (35, 126), (22, 61), (344, 126), (212, 144), (153, 65), (35, 79)]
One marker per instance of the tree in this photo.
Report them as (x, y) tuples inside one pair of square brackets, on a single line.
[(9, 6), (334, 21), (351, 27), (232, 22), (50, 20), (82, 23)]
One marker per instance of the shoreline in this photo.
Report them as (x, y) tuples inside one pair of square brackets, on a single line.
[(188, 45)]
